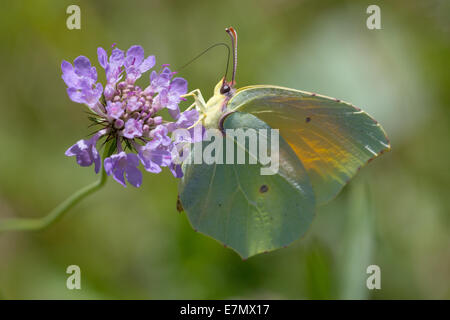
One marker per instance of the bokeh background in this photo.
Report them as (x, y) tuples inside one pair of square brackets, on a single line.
[(133, 244)]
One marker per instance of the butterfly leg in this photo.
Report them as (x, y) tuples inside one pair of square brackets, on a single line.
[(199, 102)]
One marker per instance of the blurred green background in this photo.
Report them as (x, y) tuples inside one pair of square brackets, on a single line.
[(132, 244)]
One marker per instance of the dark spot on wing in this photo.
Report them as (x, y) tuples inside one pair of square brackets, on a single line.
[(337, 100), (263, 189), (179, 205), (313, 94), (308, 119)]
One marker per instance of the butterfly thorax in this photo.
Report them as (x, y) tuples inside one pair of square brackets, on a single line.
[(217, 106)]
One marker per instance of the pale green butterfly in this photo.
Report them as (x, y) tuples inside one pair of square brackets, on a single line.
[(323, 143)]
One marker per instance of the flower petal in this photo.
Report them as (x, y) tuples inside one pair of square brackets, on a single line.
[(132, 160), (133, 129), (102, 57), (147, 64), (115, 109), (117, 57), (109, 165), (134, 176), (86, 152), (178, 86), (69, 76), (114, 167), (135, 56), (185, 120), (176, 170), (75, 95), (97, 160), (174, 111), (82, 66), (118, 175), (93, 95)]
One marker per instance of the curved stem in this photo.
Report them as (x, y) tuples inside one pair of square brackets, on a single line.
[(30, 224)]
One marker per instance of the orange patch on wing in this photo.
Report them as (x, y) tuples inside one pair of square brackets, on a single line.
[(320, 155)]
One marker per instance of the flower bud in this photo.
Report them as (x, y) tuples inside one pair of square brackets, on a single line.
[(109, 92), (118, 124), (158, 120), (121, 85)]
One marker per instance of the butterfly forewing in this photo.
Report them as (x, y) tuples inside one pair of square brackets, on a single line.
[(333, 139)]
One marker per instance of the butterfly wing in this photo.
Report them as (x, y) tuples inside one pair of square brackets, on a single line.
[(332, 138), (246, 211)]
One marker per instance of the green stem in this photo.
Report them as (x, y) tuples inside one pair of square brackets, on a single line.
[(30, 224)]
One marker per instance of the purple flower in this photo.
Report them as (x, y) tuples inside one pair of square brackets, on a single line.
[(185, 120), (81, 71), (160, 134), (113, 68), (154, 156), (135, 64), (86, 152), (159, 81), (80, 80), (133, 129), (171, 97), (134, 104), (119, 164), (114, 109)]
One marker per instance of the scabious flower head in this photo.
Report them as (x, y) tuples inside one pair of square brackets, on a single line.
[(128, 114)]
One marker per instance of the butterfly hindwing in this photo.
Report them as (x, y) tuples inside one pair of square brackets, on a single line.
[(247, 211)]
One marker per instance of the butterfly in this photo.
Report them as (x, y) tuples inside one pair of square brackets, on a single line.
[(323, 142)]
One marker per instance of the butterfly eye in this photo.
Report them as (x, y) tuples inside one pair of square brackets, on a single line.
[(225, 89)]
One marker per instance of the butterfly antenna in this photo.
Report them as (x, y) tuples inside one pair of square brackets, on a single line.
[(233, 35), (206, 50)]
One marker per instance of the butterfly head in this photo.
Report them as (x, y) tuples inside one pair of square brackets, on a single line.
[(226, 88)]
